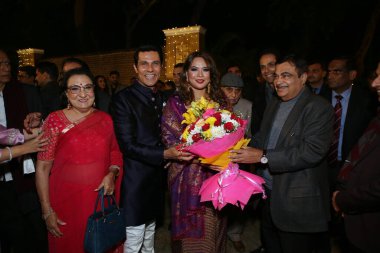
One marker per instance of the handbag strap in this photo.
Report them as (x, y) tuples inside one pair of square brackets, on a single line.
[(110, 199), (100, 195)]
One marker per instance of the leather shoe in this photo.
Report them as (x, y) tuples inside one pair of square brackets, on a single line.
[(239, 246)]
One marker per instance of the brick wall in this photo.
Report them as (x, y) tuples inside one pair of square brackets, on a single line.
[(103, 63)]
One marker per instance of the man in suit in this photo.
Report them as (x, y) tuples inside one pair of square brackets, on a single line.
[(137, 117), (316, 73), (358, 108), (114, 81), (263, 93), (46, 78), (21, 226), (293, 141), (177, 72), (359, 197), (27, 75)]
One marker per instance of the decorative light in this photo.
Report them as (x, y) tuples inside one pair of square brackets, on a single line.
[(28, 56), (179, 43)]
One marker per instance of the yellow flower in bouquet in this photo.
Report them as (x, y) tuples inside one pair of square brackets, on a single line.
[(211, 133), (197, 109)]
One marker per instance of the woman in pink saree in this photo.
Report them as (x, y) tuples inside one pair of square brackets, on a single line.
[(82, 156)]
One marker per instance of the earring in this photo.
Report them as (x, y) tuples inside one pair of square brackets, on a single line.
[(94, 105), (208, 88), (68, 105)]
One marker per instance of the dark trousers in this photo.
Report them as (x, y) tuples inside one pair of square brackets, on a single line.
[(20, 230), (277, 241), (270, 237), (337, 230), (304, 242)]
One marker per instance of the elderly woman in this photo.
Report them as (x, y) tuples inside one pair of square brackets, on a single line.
[(196, 226), (82, 156)]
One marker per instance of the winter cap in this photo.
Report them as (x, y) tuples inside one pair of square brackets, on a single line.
[(231, 80)]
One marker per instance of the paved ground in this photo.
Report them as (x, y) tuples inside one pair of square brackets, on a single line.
[(250, 237)]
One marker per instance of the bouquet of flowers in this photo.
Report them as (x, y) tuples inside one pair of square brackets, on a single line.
[(210, 134)]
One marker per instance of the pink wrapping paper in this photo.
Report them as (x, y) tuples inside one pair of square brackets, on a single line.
[(231, 186)]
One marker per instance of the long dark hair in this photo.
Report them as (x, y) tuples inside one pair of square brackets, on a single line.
[(97, 87), (186, 94)]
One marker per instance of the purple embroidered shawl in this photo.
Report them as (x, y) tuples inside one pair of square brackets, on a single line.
[(184, 179), (10, 136)]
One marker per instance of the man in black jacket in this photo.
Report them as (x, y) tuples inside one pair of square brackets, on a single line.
[(137, 114), (292, 143), (359, 198), (21, 226), (46, 78)]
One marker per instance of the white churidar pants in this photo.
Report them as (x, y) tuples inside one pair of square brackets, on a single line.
[(140, 238)]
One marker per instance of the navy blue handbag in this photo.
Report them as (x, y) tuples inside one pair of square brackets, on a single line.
[(105, 228)]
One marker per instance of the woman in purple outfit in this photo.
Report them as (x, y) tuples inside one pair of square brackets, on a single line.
[(196, 226)]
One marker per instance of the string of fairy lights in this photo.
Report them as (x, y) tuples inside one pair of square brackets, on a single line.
[(179, 43), (28, 56)]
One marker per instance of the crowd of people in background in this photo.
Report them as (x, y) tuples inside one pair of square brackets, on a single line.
[(315, 139)]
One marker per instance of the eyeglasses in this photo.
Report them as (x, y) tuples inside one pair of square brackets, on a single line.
[(284, 76), (76, 89), (336, 71)]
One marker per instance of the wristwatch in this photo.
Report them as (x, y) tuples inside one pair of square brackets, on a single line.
[(264, 158)]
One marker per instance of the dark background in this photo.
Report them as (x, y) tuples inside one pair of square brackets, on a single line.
[(236, 29)]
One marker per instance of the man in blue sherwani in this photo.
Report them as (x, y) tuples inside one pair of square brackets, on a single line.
[(137, 117)]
